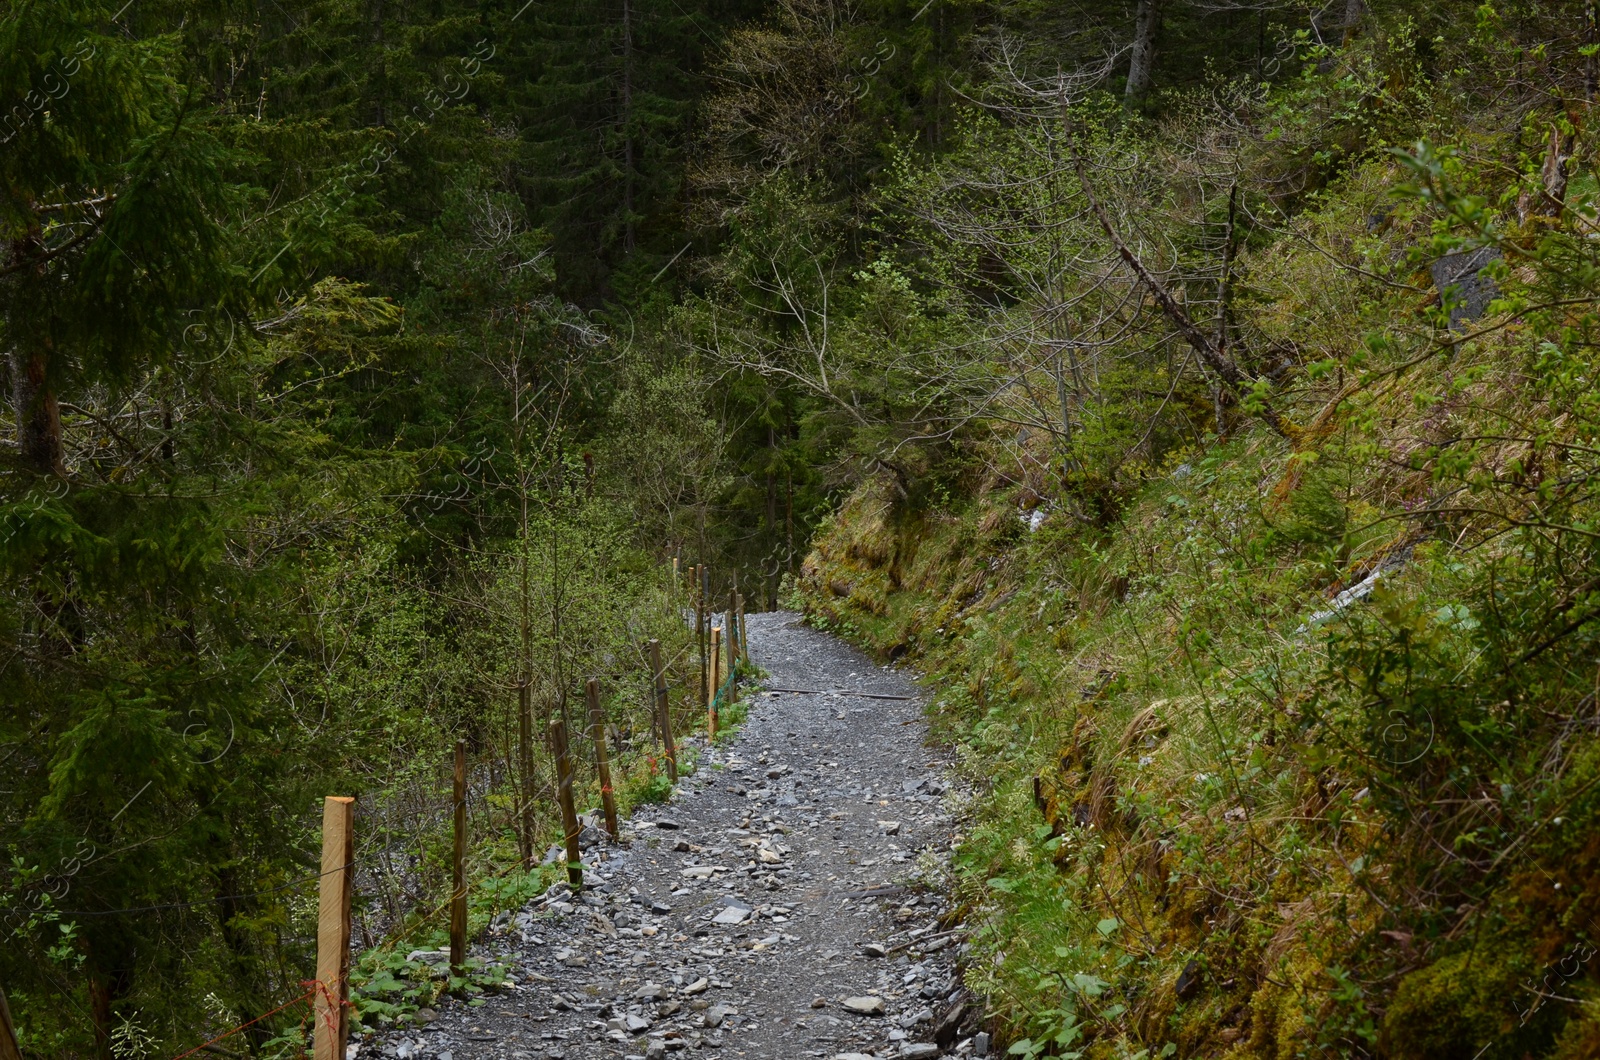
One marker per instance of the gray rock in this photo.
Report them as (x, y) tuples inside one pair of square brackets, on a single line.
[(866, 1006), (918, 1050), (635, 1024), (1473, 290), (650, 992), (980, 1044), (428, 956)]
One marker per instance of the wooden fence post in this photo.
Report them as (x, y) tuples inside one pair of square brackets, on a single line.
[(333, 928), (663, 712), (744, 634), (9, 1050), (458, 894), (700, 637), (602, 758), (569, 812), (525, 767), (716, 681)]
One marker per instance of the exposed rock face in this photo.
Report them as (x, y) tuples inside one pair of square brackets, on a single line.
[(1473, 291)]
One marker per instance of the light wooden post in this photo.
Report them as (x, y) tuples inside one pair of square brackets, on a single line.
[(663, 712), (716, 681), (9, 1050), (333, 928), (525, 767), (602, 758), (744, 633), (700, 637), (569, 812), (458, 894)]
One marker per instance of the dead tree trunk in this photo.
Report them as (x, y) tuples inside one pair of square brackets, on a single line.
[(1214, 357), (1141, 61)]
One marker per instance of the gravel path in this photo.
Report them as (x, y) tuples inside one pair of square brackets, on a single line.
[(777, 907)]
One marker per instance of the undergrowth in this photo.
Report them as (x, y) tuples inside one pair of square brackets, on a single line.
[(1228, 808)]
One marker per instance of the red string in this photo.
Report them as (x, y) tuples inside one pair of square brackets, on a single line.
[(228, 1034)]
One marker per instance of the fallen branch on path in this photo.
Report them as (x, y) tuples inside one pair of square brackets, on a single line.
[(837, 692)]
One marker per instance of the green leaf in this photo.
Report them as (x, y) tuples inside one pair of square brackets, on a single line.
[(1108, 925)]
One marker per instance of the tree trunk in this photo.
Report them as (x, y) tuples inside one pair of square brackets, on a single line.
[(230, 909), (1591, 35), (627, 127), (107, 986), (38, 415), (1550, 198), (1353, 10), (1141, 63)]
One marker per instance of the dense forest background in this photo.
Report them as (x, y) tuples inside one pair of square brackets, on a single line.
[(370, 360)]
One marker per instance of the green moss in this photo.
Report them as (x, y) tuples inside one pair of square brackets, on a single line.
[(1469, 1004)]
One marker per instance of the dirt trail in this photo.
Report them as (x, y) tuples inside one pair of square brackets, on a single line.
[(741, 919)]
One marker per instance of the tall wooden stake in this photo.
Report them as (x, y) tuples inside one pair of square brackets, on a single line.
[(700, 638), (602, 758), (716, 680), (525, 767), (333, 928), (569, 812), (458, 895), (744, 634), (663, 713), (9, 1050)]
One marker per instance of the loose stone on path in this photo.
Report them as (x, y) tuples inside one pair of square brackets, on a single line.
[(775, 910)]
